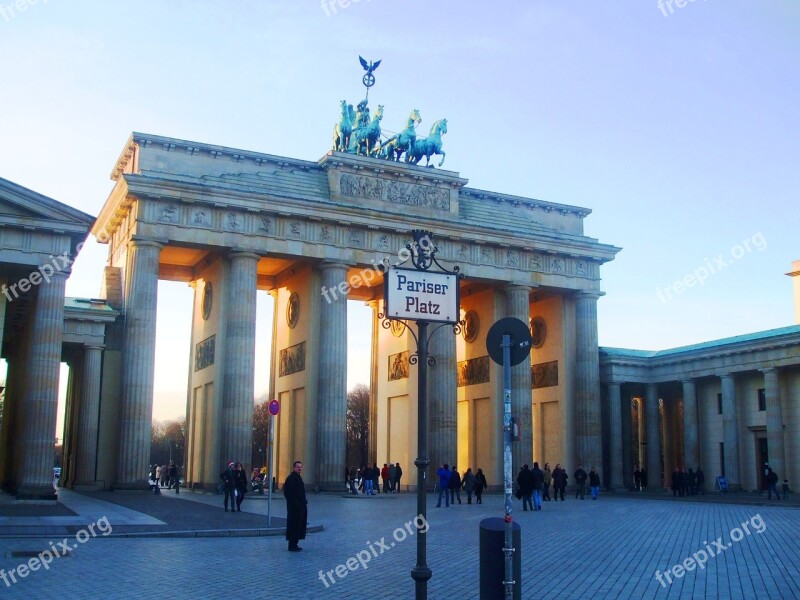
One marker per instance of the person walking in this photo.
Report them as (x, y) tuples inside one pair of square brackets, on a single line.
[(559, 482), (385, 478), (294, 490), (548, 477), (392, 473), (455, 486), (368, 481), (701, 481), (643, 477), (174, 479), (352, 480), (580, 482), (480, 485), (228, 486), (443, 473), (526, 484), (469, 484), (239, 484), (594, 483), (637, 479), (538, 482), (772, 481), (398, 473), (376, 476)]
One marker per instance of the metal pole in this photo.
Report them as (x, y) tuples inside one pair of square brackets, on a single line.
[(507, 471), (269, 468), (421, 573)]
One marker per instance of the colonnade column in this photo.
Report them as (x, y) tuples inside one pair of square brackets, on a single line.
[(627, 442), (730, 429), (691, 436), (138, 364), (88, 417), (775, 446), (518, 306), (653, 441), (332, 382), (615, 404), (442, 400), (38, 410), (587, 383), (239, 359)]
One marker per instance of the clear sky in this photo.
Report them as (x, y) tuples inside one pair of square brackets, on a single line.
[(677, 126)]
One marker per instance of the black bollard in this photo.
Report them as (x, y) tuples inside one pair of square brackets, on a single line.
[(493, 559)]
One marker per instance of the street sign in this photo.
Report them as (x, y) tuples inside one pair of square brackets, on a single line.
[(421, 295), (274, 407), (520, 340)]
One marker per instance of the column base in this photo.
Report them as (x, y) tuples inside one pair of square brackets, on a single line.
[(33, 493)]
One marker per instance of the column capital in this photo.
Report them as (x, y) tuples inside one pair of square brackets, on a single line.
[(725, 376), (513, 286), (770, 370), (244, 254), (93, 347), (687, 380), (615, 383), (145, 243), (325, 265), (589, 294)]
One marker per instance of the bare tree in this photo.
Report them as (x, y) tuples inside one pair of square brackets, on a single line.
[(357, 425), (261, 419)]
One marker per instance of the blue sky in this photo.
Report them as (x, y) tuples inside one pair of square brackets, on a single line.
[(678, 129)]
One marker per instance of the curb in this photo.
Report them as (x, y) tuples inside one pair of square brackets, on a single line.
[(202, 533)]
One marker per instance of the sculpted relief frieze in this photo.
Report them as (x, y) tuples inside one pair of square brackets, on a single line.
[(396, 192)]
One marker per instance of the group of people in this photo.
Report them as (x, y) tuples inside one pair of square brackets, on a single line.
[(167, 476), (772, 485), (367, 480), (451, 483), (234, 484), (688, 483), (533, 485)]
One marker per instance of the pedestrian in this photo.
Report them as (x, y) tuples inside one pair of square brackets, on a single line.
[(676, 481), (692, 483), (480, 485), (684, 483), (469, 484), (772, 481), (548, 477), (174, 479), (525, 486), (786, 489), (153, 473), (376, 475), (398, 473), (538, 482), (228, 486), (643, 475), (443, 473), (239, 484), (294, 490), (637, 479), (352, 480), (594, 483), (455, 486), (385, 478), (392, 474), (164, 475), (701, 481), (158, 475), (559, 482), (580, 482), (366, 475)]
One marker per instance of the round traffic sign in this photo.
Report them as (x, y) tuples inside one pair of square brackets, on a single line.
[(520, 340), (274, 407)]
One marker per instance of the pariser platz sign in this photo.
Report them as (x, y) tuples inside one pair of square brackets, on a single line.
[(421, 295)]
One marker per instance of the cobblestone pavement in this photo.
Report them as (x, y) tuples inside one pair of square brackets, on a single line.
[(610, 548)]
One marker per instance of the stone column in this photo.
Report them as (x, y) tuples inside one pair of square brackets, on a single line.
[(615, 404), (88, 417), (518, 306), (691, 426), (239, 358), (730, 430), (38, 410), (332, 382), (138, 365), (587, 383), (653, 443), (627, 442), (442, 401), (772, 391)]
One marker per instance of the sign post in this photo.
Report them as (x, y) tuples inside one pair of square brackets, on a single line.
[(274, 409), (424, 297)]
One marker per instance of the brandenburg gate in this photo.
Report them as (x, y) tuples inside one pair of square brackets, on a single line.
[(230, 222)]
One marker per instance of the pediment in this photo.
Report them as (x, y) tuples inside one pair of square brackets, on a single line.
[(23, 207)]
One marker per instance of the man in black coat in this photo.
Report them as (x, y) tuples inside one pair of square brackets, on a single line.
[(294, 491), (525, 483), (580, 482)]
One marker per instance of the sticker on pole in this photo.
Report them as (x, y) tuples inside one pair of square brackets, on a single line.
[(274, 407)]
